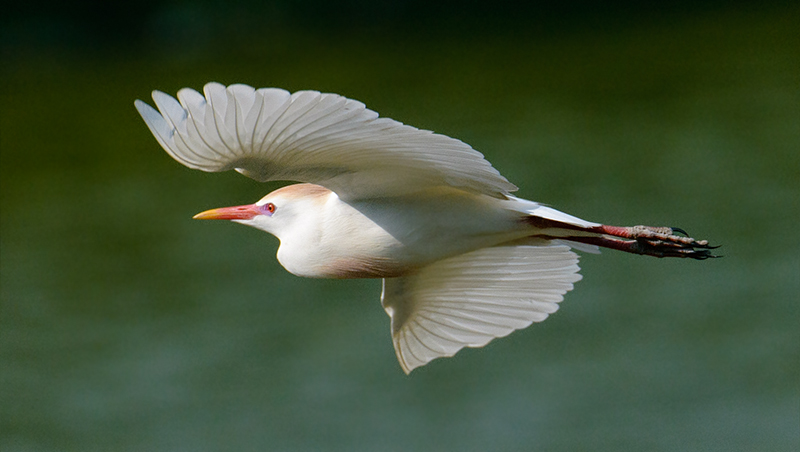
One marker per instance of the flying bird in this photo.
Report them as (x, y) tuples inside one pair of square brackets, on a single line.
[(463, 261)]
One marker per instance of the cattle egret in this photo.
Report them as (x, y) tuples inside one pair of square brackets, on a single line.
[(462, 260)]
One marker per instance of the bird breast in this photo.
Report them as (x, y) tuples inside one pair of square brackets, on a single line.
[(389, 237)]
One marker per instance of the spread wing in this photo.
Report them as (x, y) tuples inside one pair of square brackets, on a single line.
[(325, 139), (468, 300)]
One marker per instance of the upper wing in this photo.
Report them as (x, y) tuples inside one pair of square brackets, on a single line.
[(468, 300), (325, 139)]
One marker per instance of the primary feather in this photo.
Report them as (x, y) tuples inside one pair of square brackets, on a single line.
[(325, 139), (470, 299)]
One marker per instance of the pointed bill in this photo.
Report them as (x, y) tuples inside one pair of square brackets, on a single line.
[(245, 212)]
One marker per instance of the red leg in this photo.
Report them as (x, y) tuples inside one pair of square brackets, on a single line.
[(650, 241), (646, 240)]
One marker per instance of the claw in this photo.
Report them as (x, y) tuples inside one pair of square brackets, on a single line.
[(680, 231), (668, 248)]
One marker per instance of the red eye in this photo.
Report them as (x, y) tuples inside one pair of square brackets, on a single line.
[(270, 208)]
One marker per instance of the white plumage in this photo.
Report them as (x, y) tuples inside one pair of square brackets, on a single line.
[(462, 261), (324, 139), (470, 299)]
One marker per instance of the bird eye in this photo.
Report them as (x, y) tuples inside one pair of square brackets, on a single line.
[(270, 208)]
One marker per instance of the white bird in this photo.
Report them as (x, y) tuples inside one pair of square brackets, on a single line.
[(462, 260)]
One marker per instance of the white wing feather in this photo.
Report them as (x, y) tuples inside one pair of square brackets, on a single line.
[(468, 300), (326, 139)]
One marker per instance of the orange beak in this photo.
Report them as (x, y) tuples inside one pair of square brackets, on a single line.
[(230, 213)]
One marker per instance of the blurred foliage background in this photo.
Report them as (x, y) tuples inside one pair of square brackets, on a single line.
[(124, 325)]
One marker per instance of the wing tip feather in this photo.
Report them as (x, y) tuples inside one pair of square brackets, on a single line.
[(229, 138), (473, 330)]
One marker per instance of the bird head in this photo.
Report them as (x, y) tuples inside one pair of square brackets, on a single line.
[(285, 209)]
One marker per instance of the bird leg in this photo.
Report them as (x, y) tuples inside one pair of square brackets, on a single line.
[(650, 241), (646, 240)]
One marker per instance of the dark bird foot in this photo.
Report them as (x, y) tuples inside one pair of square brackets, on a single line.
[(656, 241)]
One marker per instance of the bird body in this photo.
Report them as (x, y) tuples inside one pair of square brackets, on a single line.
[(324, 237), (462, 260)]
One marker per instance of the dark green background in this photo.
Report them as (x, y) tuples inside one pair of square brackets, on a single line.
[(125, 325)]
